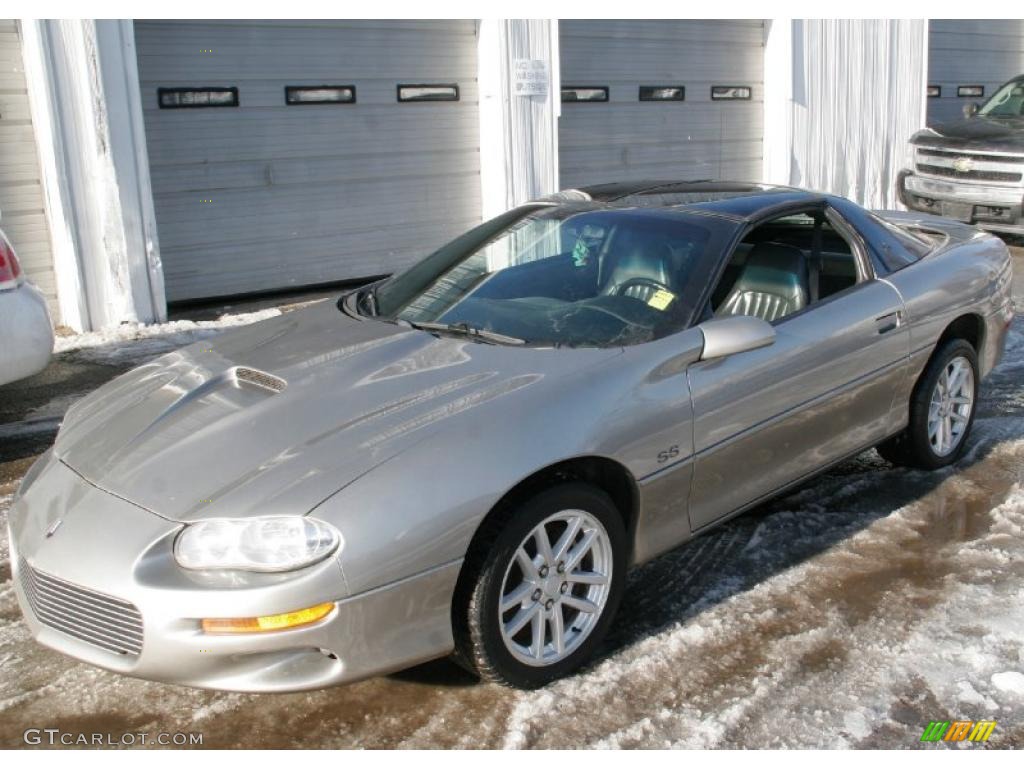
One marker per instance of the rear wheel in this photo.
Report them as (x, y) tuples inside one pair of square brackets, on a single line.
[(941, 410), (542, 588)]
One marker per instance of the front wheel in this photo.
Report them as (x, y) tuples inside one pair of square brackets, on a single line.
[(542, 588), (942, 410)]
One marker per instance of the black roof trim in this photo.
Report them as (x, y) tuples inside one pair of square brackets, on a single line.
[(734, 200), (616, 190)]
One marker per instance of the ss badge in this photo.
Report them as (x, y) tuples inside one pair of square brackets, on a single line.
[(669, 453)]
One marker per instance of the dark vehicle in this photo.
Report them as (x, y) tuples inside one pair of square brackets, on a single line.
[(973, 170)]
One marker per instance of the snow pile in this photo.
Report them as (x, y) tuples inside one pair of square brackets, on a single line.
[(135, 343), (1009, 682)]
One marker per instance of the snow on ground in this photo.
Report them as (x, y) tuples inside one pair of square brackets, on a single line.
[(5, 503), (136, 343)]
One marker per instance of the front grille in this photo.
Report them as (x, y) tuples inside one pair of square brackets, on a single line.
[(952, 154), (952, 173), (93, 617)]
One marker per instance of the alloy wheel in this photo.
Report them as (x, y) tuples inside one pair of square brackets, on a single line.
[(949, 411), (555, 588)]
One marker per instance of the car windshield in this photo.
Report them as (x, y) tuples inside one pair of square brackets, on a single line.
[(1008, 101), (563, 276)]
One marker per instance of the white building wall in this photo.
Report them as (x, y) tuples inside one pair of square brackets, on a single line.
[(842, 98), (85, 103), (518, 134)]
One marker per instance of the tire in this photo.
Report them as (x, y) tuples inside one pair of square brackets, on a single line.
[(487, 641), (920, 445)]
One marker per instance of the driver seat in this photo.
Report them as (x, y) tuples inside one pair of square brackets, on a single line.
[(773, 284), (641, 271)]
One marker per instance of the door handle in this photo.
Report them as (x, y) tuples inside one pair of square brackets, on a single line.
[(890, 321)]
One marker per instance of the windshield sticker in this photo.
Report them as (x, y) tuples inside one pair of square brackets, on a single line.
[(661, 299), (580, 254)]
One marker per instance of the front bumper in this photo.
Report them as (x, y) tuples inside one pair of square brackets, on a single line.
[(995, 208), (110, 547)]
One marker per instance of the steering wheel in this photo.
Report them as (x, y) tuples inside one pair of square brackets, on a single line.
[(652, 286)]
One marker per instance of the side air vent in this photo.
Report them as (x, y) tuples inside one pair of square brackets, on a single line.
[(260, 379)]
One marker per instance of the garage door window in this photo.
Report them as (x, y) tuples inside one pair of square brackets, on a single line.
[(730, 93), (662, 93), (193, 98), (428, 92), (319, 94), (573, 93)]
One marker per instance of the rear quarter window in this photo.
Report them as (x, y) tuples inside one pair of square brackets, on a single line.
[(890, 248), (899, 248)]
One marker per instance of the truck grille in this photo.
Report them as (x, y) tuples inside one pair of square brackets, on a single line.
[(952, 154), (980, 166), (953, 173), (93, 617)]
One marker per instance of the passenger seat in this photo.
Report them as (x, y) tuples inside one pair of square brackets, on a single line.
[(773, 284)]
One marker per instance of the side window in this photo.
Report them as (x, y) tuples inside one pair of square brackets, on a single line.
[(785, 265), (899, 247)]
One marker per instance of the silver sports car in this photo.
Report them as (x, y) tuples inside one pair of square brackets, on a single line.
[(467, 457)]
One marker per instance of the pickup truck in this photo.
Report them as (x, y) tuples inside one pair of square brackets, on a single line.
[(972, 170)]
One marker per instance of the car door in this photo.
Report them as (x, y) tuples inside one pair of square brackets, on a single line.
[(824, 390)]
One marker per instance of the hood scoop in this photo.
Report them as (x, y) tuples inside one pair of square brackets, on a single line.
[(260, 379)]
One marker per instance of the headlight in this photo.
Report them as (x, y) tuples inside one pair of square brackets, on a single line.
[(257, 544)]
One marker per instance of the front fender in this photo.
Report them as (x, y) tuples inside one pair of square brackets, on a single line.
[(420, 510)]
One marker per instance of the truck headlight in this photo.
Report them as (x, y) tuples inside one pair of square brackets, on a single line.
[(268, 544)]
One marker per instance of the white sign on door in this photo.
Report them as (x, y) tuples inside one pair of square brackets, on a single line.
[(530, 77)]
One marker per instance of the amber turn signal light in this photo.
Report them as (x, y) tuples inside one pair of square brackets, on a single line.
[(290, 620)]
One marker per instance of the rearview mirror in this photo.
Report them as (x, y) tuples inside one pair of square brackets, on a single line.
[(970, 110), (731, 335)]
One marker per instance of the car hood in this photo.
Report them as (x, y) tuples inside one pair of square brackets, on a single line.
[(278, 416), (997, 134)]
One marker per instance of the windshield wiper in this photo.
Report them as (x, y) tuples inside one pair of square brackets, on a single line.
[(465, 329)]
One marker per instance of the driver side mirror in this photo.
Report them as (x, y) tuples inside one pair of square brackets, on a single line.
[(731, 335), (970, 110)]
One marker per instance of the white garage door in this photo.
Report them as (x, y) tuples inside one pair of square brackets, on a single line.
[(266, 195), (670, 134), (22, 215), (962, 54)]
